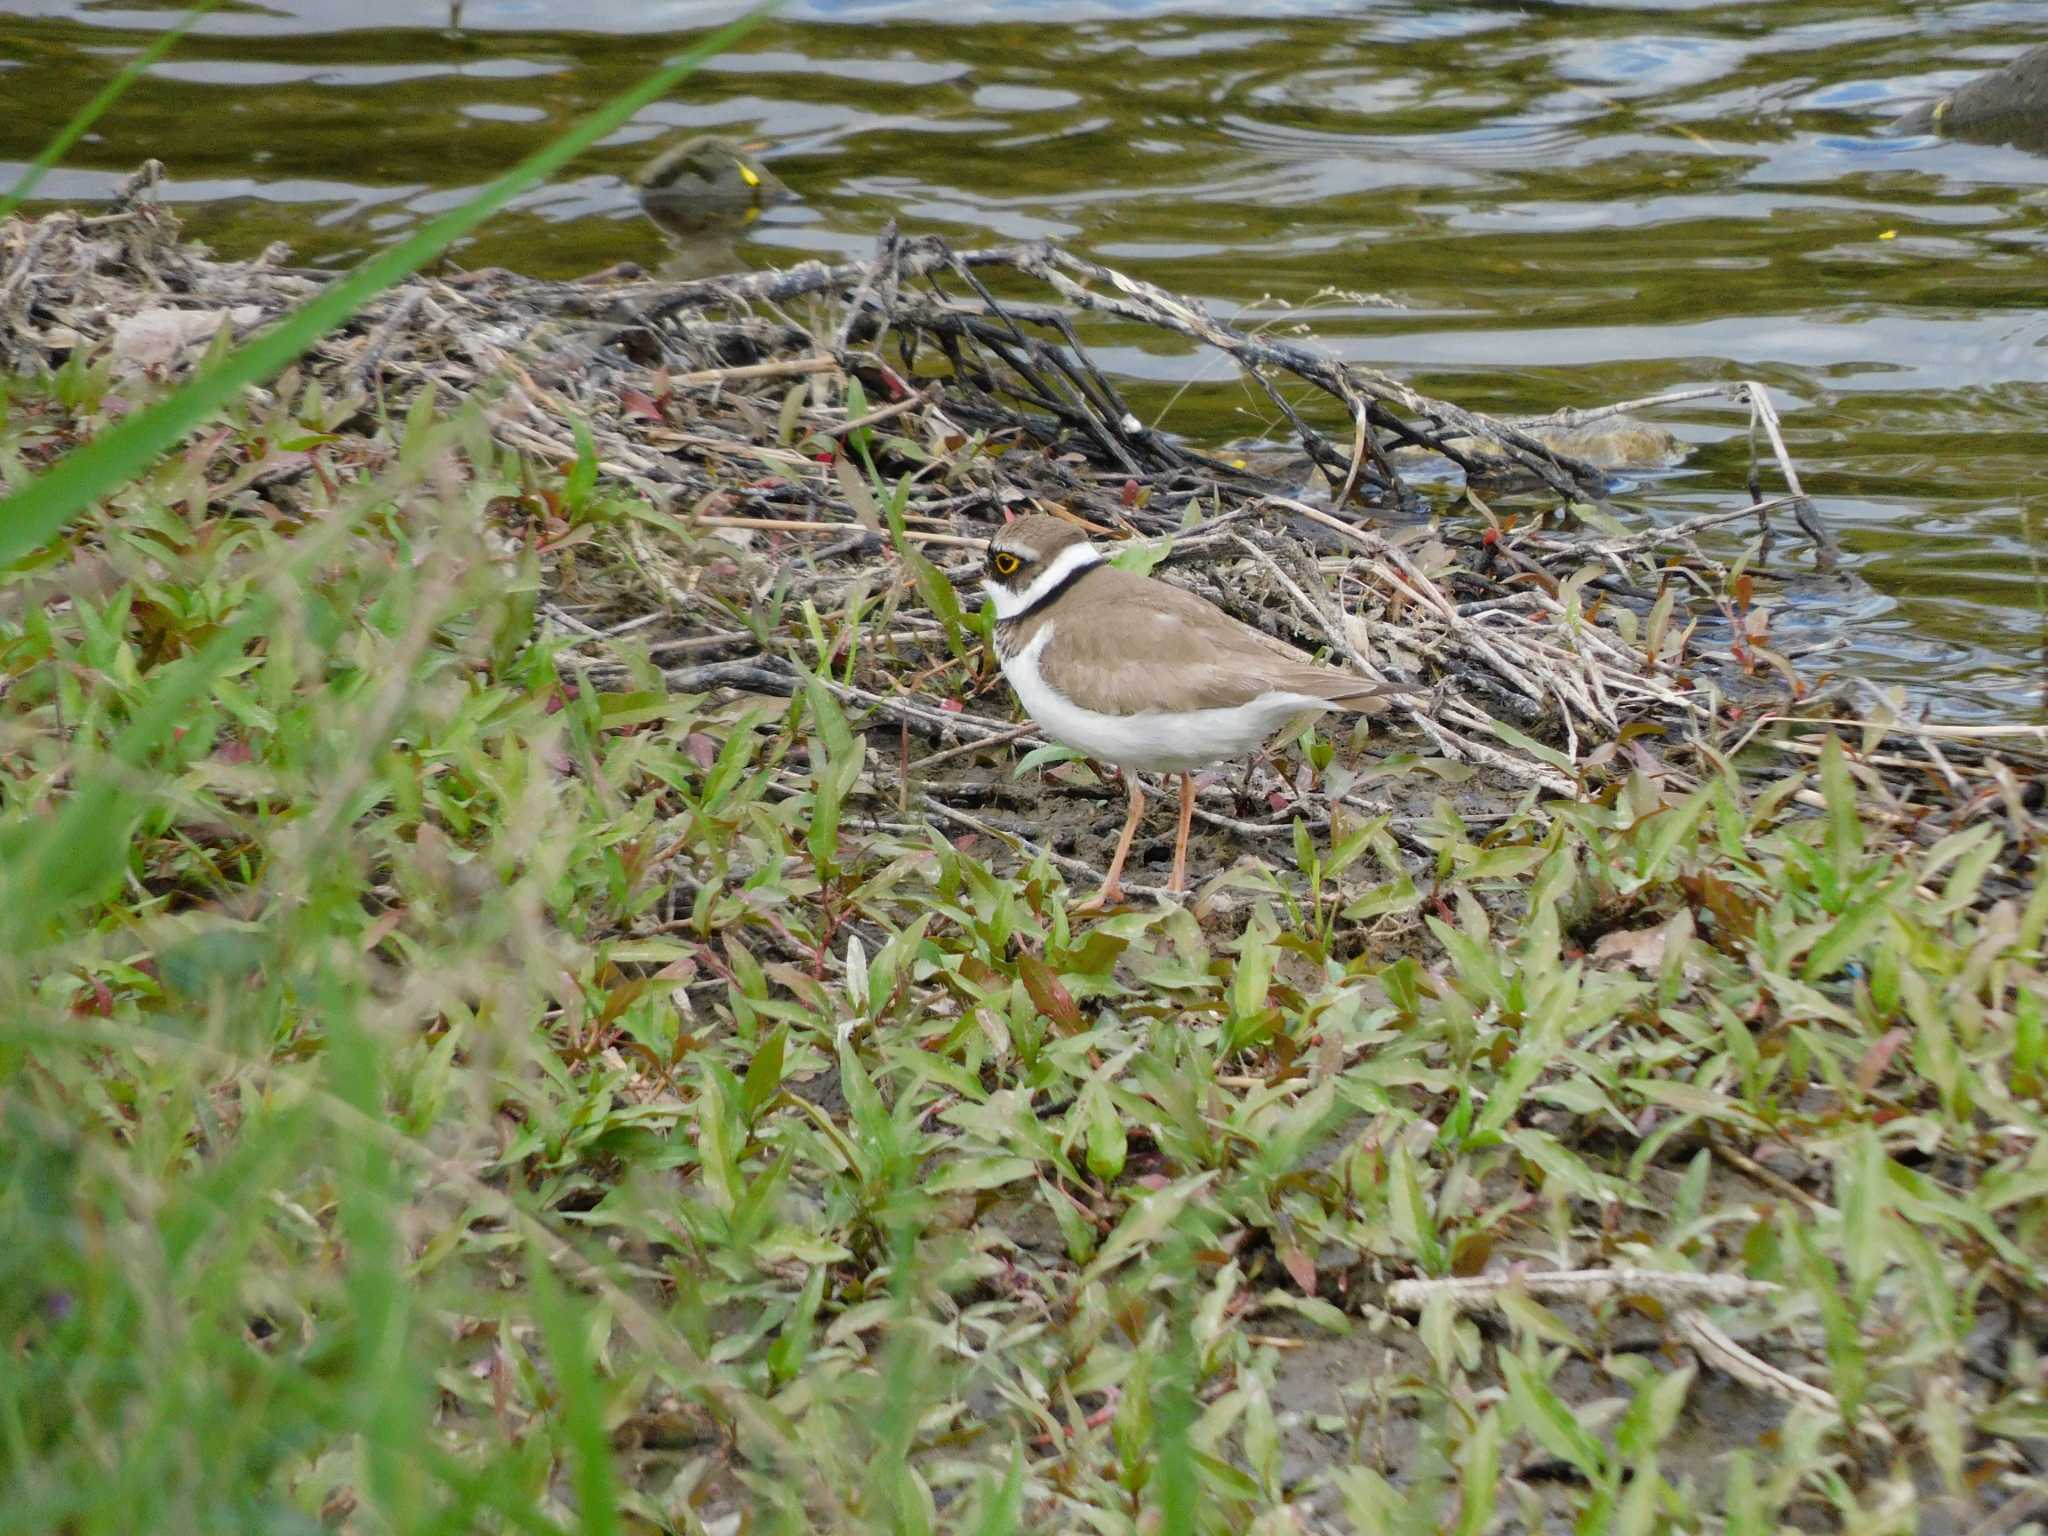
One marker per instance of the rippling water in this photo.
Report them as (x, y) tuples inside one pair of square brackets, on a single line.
[(1565, 204)]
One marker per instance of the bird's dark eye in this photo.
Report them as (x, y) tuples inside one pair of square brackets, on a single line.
[(1005, 563)]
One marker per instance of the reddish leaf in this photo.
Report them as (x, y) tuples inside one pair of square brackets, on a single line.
[(618, 999), (951, 706), (637, 402), (1734, 914), (1878, 1057), (1048, 993), (1471, 1254), (100, 1004), (701, 750), (1301, 1269), (1130, 493)]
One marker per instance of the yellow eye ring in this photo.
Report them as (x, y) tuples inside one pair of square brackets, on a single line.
[(1005, 563)]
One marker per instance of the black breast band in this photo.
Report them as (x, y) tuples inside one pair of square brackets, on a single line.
[(1054, 590)]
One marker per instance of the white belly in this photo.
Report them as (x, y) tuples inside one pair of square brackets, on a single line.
[(1154, 740)]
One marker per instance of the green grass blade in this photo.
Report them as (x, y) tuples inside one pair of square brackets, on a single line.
[(90, 113), (42, 507), (580, 1401)]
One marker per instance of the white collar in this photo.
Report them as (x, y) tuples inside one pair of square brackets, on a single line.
[(1069, 562)]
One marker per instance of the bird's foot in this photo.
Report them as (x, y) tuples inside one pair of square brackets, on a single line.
[(1109, 896)]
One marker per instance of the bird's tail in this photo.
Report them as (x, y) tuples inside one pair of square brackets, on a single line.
[(1343, 690)]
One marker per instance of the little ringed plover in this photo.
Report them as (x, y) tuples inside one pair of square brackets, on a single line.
[(1141, 674)]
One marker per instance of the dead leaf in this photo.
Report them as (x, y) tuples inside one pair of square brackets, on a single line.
[(1642, 948), (153, 338), (866, 511), (1733, 913), (638, 403)]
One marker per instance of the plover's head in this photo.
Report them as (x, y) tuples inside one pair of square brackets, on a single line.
[(1033, 558)]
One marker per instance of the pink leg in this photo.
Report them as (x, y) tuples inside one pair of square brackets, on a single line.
[(1180, 842), (1113, 888)]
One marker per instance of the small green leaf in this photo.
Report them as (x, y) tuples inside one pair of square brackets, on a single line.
[(1862, 1183), (1845, 825), (1479, 1475), (581, 483), (714, 1145), (1652, 1414), (1743, 1505), (1039, 757), (764, 1071), (1527, 743), (968, 1174), (1253, 976), (579, 1401), (1413, 1223), (1003, 1512), (1106, 1142), (1148, 1220), (1527, 1064), (792, 409), (1847, 936), (866, 510), (1549, 1422)]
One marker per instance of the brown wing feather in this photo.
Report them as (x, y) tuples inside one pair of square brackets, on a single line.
[(1149, 645)]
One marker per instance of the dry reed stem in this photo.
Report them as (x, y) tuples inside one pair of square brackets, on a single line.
[(794, 525), (1591, 1286)]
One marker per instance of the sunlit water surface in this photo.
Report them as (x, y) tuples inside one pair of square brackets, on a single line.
[(1567, 204)]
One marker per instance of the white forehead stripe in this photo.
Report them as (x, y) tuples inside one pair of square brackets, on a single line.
[(1075, 557)]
